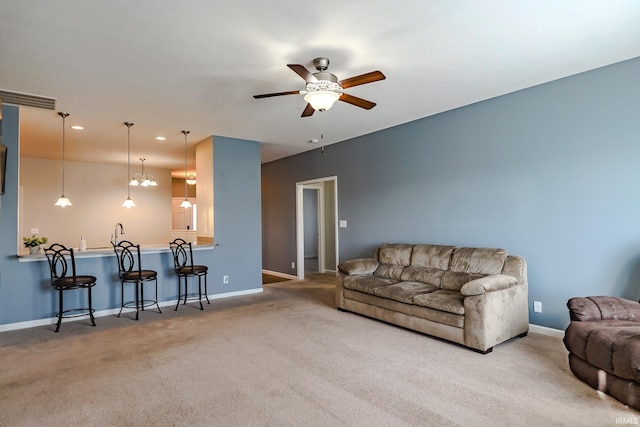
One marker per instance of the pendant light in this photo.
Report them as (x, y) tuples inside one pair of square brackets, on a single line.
[(63, 200), (185, 203), (128, 203)]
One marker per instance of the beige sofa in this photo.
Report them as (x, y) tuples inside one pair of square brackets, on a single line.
[(476, 297)]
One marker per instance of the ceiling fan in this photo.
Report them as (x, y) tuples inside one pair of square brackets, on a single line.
[(323, 88)]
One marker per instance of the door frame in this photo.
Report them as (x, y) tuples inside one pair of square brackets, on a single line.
[(315, 184)]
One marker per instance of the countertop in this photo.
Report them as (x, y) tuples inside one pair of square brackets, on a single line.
[(103, 251)]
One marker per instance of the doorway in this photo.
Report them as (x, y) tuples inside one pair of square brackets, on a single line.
[(316, 226)]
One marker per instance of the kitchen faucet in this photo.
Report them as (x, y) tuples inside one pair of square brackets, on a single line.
[(115, 234)]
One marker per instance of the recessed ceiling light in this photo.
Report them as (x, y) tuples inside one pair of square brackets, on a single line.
[(77, 127), (161, 138)]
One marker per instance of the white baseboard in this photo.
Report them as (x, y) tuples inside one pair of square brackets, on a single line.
[(103, 313), (278, 274), (546, 331)]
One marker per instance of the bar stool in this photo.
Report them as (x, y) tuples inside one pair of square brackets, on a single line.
[(184, 268), (64, 280), (130, 271)]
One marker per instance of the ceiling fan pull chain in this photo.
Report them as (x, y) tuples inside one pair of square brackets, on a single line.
[(322, 131)]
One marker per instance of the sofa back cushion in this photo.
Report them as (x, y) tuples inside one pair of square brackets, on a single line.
[(389, 271), (453, 281), (432, 256), (395, 253), (431, 276), (483, 261)]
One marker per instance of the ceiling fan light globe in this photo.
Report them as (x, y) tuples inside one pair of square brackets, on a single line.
[(322, 100)]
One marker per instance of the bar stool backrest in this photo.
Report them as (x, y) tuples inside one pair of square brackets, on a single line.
[(57, 255), (182, 254), (128, 256)]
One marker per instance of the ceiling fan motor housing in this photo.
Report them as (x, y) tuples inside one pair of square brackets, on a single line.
[(321, 64)]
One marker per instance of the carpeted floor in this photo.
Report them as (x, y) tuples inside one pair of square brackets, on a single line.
[(268, 278), (285, 357)]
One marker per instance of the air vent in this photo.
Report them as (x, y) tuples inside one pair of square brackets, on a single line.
[(27, 100)]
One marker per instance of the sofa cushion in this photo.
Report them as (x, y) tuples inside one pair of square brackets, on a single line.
[(390, 271), (403, 291), (431, 276), (359, 266), (483, 261), (453, 281), (366, 284), (432, 256), (395, 253), (443, 300), (603, 308)]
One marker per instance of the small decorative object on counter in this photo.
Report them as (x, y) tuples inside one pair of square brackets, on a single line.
[(83, 244), (33, 243)]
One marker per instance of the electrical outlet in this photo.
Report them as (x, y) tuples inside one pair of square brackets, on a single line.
[(537, 307), (293, 265), (225, 279), (34, 230)]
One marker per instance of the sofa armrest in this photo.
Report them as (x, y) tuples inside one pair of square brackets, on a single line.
[(589, 309), (494, 282), (359, 267)]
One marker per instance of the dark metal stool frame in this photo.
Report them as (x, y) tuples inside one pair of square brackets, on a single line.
[(64, 280), (130, 271), (184, 268)]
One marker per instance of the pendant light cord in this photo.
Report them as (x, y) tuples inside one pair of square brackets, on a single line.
[(185, 132), (128, 125), (64, 117)]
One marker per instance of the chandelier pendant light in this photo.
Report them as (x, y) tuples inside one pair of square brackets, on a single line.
[(128, 203), (63, 200), (143, 179), (185, 203)]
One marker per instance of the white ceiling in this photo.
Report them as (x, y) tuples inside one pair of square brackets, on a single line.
[(174, 64)]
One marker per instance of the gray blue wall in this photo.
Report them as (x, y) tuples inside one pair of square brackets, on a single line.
[(550, 173), (25, 291)]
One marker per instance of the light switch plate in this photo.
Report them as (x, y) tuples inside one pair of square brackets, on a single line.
[(343, 223)]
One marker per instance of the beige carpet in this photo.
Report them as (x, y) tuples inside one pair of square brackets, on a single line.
[(285, 357), (268, 278)]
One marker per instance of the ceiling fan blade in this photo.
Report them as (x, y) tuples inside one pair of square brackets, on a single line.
[(303, 72), (308, 111), (371, 77), (268, 95), (358, 102)]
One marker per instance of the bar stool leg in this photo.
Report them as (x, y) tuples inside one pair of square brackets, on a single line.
[(122, 297), (93, 320), (178, 303), (142, 295), (206, 293), (186, 289), (200, 292), (137, 299), (60, 299), (157, 303)]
